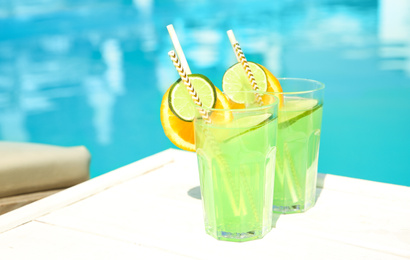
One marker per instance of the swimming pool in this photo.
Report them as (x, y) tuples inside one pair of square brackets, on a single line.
[(93, 72)]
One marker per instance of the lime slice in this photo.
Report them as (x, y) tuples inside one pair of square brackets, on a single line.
[(295, 109), (250, 122), (235, 79), (180, 101)]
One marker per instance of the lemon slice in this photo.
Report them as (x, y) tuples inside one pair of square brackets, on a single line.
[(235, 79), (180, 101)]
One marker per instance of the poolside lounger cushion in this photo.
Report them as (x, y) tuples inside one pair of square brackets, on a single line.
[(27, 167), (13, 202)]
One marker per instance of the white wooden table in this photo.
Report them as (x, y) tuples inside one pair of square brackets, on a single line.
[(151, 209)]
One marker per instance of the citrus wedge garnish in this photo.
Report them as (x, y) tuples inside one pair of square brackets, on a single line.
[(222, 116), (180, 132), (235, 79), (249, 123), (273, 86), (180, 101), (295, 109)]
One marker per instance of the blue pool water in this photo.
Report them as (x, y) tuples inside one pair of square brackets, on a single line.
[(93, 72)]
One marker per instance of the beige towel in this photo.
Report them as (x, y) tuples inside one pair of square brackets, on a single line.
[(28, 167)]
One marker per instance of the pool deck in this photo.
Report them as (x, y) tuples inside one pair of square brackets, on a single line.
[(151, 209)]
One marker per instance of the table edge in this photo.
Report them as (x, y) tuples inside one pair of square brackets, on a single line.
[(86, 189)]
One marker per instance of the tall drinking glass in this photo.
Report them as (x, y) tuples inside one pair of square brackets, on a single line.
[(236, 160), (299, 123)]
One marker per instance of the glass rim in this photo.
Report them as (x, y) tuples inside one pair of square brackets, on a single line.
[(318, 83), (249, 109)]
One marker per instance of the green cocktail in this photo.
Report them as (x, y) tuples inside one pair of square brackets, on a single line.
[(299, 127), (236, 163)]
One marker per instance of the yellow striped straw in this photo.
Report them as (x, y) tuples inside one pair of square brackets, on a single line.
[(241, 58), (189, 86)]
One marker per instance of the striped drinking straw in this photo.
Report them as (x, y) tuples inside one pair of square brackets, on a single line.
[(241, 58), (189, 86)]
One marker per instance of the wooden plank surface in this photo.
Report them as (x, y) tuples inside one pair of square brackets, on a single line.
[(161, 210), (85, 189), (36, 240)]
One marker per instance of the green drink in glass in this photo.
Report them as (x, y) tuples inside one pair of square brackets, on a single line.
[(299, 126), (236, 161), (299, 123)]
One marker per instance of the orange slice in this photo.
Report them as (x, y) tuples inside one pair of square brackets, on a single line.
[(273, 86)]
